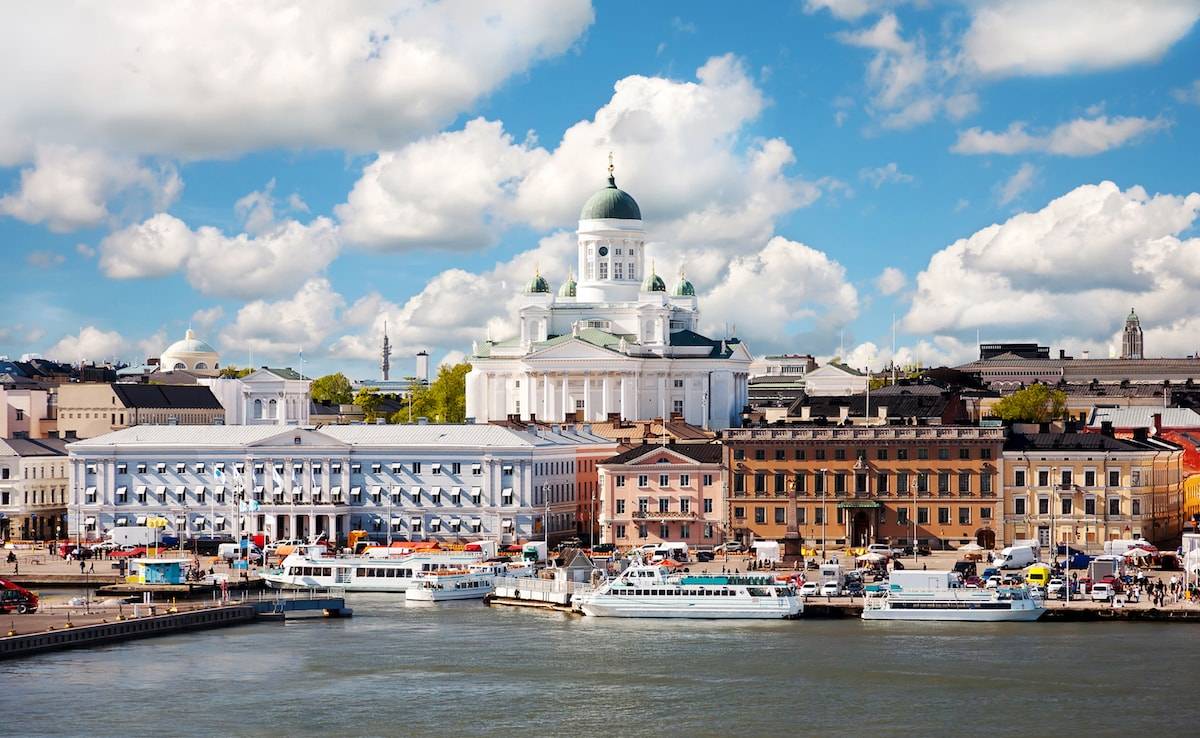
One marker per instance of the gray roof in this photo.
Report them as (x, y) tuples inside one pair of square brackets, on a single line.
[(166, 396), (1143, 417), (33, 447)]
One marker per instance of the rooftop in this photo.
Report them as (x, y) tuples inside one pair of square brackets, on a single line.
[(33, 447), (704, 453), (1080, 442), (166, 396)]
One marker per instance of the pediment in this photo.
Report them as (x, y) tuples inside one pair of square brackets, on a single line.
[(300, 438), (574, 349)]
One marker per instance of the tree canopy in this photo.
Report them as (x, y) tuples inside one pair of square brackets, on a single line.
[(1037, 403), (332, 388), (368, 400), (443, 401), (234, 373)]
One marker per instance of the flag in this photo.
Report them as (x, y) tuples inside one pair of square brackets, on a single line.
[(218, 475)]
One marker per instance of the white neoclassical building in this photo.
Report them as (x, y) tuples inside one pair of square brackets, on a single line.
[(264, 397), (614, 343), (415, 482), (190, 354)]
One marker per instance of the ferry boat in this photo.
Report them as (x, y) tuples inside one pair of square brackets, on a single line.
[(314, 570), (940, 595), (649, 591), (472, 583)]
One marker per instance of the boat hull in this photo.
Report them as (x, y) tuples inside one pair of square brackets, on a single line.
[(601, 609), (418, 594), (955, 615)]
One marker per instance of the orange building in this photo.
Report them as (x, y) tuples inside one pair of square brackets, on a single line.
[(824, 487)]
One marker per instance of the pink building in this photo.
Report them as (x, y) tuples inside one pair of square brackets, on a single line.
[(27, 413), (653, 493)]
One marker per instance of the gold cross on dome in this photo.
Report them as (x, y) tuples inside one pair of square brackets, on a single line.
[(610, 164)]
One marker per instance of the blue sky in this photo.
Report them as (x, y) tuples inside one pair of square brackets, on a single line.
[(281, 180)]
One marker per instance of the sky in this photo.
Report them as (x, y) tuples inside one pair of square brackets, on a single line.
[(285, 177)]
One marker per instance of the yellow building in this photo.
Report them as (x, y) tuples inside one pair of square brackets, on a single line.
[(89, 410), (1085, 488)]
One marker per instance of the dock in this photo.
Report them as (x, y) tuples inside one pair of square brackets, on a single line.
[(545, 594), (29, 635)]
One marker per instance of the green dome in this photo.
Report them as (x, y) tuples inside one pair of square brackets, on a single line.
[(611, 202), (654, 283), (568, 287), (538, 285), (684, 288)]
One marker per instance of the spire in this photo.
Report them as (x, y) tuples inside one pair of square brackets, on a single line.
[(385, 366), (612, 180)]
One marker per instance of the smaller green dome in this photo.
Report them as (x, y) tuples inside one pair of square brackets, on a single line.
[(653, 283), (684, 288), (568, 287), (538, 285)]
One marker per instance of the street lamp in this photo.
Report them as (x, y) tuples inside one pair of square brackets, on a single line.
[(824, 512)]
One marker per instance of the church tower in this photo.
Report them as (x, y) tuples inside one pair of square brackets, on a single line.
[(1131, 342), (611, 245)]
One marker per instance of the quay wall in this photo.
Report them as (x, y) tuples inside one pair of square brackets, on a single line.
[(124, 630)]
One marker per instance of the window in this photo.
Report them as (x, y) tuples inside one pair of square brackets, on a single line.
[(943, 482), (985, 513), (1137, 507), (664, 505), (664, 480), (1043, 506), (985, 482), (902, 515), (839, 482), (964, 516), (620, 531), (685, 504), (943, 454), (964, 454), (1114, 478), (707, 480), (161, 468), (708, 505), (619, 480), (922, 481), (780, 454), (760, 514), (476, 494), (760, 482), (819, 484), (800, 515), (839, 454), (506, 496), (922, 516), (964, 482), (798, 480), (943, 516), (923, 454), (678, 384), (1114, 506), (121, 468), (435, 469), (1089, 478), (780, 483), (1089, 506), (1066, 506), (739, 483), (881, 454), (141, 468), (902, 483), (708, 530), (818, 515), (685, 480), (199, 468), (739, 512), (902, 454), (1019, 505), (643, 480), (416, 467), (1043, 478), (1065, 475), (881, 482), (180, 468), (860, 482), (739, 454), (819, 454), (780, 516), (760, 454), (1019, 477)]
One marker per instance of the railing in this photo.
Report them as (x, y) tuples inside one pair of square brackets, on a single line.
[(549, 586)]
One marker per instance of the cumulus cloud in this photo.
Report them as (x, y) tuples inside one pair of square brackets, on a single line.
[(460, 189), (1074, 265), (283, 328), (887, 174), (848, 10), (890, 281), (203, 320), (274, 261), (90, 344), (44, 259), (1042, 37), (1016, 185), (1079, 137), (938, 351), (195, 79), (69, 188)]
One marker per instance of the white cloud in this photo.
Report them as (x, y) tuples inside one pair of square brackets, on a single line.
[(282, 329), (847, 10), (887, 174), (44, 259), (447, 190), (1079, 137), (890, 281), (1018, 184), (90, 344), (69, 188), (463, 188), (152, 345), (194, 79), (203, 320), (85, 250), (938, 351), (1189, 94), (1042, 37), (1075, 266), (270, 263)]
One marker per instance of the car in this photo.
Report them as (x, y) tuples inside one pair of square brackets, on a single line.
[(730, 547), (1036, 590), (273, 546), (992, 582), (973, 582), (830, 589), (924, 550), (855, 589), (880, 548), (991, 571), (810, 589), (705, 556), (604, 548), (1054, 586), (104, 546), (1103, 592)]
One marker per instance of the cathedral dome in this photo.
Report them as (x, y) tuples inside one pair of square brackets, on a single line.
[(653, 283), (684, 288), (190, 354), (537, 285), (611, 202), (568, 287)]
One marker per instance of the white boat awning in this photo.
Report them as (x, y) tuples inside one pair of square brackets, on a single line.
[(455, 491), (435, 490), (259, 489), (356, 491), (476, 522), (160, 489), (435, 524)]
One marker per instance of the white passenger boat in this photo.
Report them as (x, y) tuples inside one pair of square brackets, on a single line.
[(940, 595), (647, 591), (312, 570), (474, 582)]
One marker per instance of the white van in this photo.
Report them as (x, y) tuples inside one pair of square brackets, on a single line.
[(1016, 557), (676, 550), (230, 551)]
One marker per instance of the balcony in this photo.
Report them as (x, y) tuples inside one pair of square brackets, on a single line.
[(665, 516)]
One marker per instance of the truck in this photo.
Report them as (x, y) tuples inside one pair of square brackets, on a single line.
[(15, 598), (1030, 543), (1016, 557), (676, 550), (911, 580), (1104, 566), (832, 573), (141, 535), (535, 551), (1118, 546)]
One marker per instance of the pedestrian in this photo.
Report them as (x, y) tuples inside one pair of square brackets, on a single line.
[(16, 567), (92, 568), (80, 564)]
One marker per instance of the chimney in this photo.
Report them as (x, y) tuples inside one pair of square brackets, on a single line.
[(1157, 418), (883, 412), (1062, 353), (1141, 434), (843, 413), (805, 412), (1106, 428)]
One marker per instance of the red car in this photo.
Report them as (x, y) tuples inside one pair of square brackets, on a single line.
[(14, 597)]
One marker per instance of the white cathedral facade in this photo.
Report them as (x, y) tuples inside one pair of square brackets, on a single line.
[(614, 344)]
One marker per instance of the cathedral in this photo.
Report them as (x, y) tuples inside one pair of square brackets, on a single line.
[(614, 344)]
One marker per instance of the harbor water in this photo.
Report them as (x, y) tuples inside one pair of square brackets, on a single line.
[(465, 669)]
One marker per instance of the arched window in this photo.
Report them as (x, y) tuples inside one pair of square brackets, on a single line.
[(273, 409), (201, 365), (179, 365), (258, 408)]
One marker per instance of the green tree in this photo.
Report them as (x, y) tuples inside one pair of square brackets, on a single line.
[(443, 401), (332, 388), (234, 373), (1037, 403), (368, 400)]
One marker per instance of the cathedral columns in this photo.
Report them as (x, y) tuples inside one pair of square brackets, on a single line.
[(587, 398), (605, 392), (565, 399), (624, 404), (662, 396), (544, 412)]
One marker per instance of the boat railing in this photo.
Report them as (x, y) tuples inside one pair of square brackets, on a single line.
[(532, 584)]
